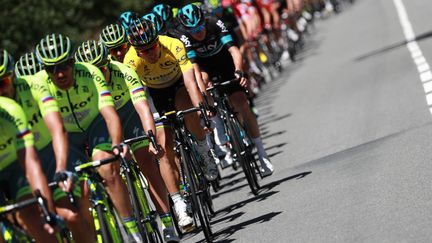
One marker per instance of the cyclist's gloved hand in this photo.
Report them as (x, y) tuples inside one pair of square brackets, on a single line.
[(65, 180), (120, 150), (241, 76)]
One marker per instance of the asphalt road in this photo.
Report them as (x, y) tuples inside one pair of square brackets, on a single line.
[(349, 132)]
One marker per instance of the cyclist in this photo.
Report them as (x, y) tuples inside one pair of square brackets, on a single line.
[(88, 113), (115, 38), (209, 44), (20, 168), (50, 140), (126, 18), (163, 67), (129, 94)]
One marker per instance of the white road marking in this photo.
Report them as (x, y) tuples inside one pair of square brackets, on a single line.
[(416, 53)]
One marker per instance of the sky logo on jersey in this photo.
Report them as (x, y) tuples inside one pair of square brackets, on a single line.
[(105, 93), (23, 133), (138, 90), (47, 99)]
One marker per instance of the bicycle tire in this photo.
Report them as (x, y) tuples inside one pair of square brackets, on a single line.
[(238, 149), (136, 207), (196, 204), (102, 231)]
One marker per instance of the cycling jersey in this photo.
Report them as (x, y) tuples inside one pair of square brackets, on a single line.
[(80, 104), (217, 36), (167, 70), (31, 95), (15, 132), (124, 85)]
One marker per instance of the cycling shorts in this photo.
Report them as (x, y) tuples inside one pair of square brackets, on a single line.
[(164, 99), (266, 4), (132, 126), (96, 137), (13, 183), (47, 157), (221, 68)]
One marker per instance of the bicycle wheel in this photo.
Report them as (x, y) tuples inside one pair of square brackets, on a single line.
[(240, 151), (131, 181), (197, 205), (149, 215), (102, 232)]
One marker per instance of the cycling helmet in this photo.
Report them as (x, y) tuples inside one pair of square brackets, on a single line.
[(113, 35), (165, 11), (126, 18), (142, 32), (157, 21), (190, 16), (92, 52), (27, 65), (6, 63), (54, 49)]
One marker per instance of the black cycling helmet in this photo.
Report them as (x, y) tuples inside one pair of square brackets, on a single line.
[(6, 63), (126, 18), (190, 16), (157, 21), (27, 65), (165, 11), (142, 32)]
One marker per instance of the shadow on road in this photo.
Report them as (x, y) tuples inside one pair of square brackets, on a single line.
[(273, 184), (391, 47), (229, 231), (237, 205)]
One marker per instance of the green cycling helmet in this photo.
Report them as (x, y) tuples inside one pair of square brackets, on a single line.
[(113, 35), (6, 63), (54, 49), (27, 65), (92, 52)]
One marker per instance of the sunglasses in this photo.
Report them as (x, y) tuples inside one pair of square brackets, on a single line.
[(146, 50), (197, 29), (121, 47), (59, 67), (6, 80)]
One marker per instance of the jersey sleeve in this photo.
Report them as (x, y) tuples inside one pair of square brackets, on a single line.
[(179, 51), (224, 35), (40, 90), (104, 95), (136, 89), (191, 54), (41, 93), (24, 136)]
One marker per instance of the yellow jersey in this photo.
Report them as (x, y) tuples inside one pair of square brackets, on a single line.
[(172, 62)]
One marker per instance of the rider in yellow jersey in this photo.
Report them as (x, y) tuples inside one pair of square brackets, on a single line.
[(163, 67), (137, 119)]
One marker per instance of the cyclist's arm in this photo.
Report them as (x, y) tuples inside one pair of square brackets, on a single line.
[(113, 123), (237, 58), (192, 87), (202, 84), (146, 116), (188, 72), (58, 132)]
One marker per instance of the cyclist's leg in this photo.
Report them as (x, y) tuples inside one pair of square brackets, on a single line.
[(100, 147), (75, 220), (29, 218), (163, 100), (132, 128)]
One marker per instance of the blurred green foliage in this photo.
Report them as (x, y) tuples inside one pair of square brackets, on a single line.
[(24, 22)]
